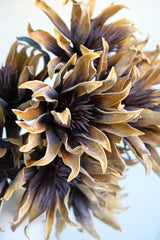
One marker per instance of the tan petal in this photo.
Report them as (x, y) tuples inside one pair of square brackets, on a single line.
[(95, 150), (90, 5), (122, 65), (108, 82), (45, 39), (106, 14), (62, 118), (60, 225), (102, 65), (35, 127), (84, 87), (83, 70), (78, 150), (117, 116), (15, 184), (63, 70), (64, 211), (53, 65), (46, 93), (89, 193), (113, 98), (91, 183), (30, 113), (85, 50), (80, 24), (50, 215), (149, 117), (53, 146), (72, 161), (140, 151), (33, 141), (151, 78), (54, 17), (121, 129), (2, 152), (63, 42), (33, 85)]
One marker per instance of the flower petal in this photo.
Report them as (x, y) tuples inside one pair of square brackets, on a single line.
[(53, 146), (62, 118)]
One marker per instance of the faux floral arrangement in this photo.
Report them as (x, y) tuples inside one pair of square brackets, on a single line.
[(68, 143)]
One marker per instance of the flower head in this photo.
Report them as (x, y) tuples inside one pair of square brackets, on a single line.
[(47, 190), (84, 30), (77, 115)]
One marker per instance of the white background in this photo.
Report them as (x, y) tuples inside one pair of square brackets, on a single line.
[(142, 220)]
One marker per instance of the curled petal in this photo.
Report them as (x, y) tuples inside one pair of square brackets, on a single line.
[(55, 18), (80, 24), (118, 116), (106, 14), (45, 39), (53, 146), (46, 93), (84, 87), (149, 117), (102, 65), (32, 112), (63, 42), (62, 118), (33, 85), (50, 215), (33, 141), (121, 129), (36, 127), (53, 65), (95, 150), (72, 161)]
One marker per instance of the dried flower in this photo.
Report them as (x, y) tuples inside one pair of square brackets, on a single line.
[(76, 116), (85, 30), (47, 190)]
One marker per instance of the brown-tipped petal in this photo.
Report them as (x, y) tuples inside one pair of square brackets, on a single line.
[(102, 65), (63, 42), (90, 6), (30, 113), (33, 141), (64, 211), (45, 39), (95, 150), (98, 136), (2, 152), (50, 215), (53, 65), (60, 225), (63, 70), (106, 14), (84, 87), (83, 69), (149, 117), (85, 50), (89, 193), (106, 216), (78, 150), (33, 85), (140, 151), (112, 98), (55, 18), (117, 116), (62, 118), (72, 161), (151, 78), (15, 184), (121, 129), (122, 65), (46, 93), (53, 146), (35, 127), (80, 24), (90, 182), (109, 82)]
